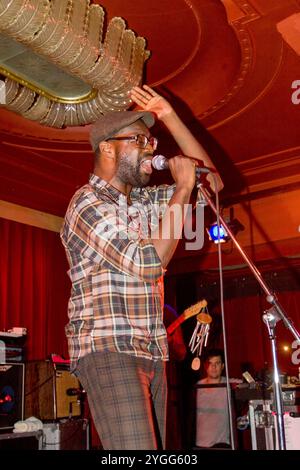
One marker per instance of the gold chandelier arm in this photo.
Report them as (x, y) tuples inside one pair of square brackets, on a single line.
[(53, 31), (109, 54), (88, 49), (30, 19), (69, 34), (12, 89), (120, 72), (39, 110), (23, 101)]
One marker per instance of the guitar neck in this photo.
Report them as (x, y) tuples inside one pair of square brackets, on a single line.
[(188, 313), (171, 328)]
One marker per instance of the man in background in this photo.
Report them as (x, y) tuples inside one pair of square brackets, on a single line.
[(212, 416)]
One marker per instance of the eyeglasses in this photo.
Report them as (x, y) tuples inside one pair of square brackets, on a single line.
[(141, 140)]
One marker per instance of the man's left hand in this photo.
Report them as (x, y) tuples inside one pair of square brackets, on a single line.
[(151, 101)]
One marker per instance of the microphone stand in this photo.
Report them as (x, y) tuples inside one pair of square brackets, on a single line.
[(271, 317)]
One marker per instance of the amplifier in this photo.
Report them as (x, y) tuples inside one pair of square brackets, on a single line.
[(51, 391), (11, 394), (22, 441), (12, 347)]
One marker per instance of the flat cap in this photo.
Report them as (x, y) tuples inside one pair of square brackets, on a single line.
[(111, 123)]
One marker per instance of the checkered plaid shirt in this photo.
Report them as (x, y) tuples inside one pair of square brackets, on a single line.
[(116, 301)]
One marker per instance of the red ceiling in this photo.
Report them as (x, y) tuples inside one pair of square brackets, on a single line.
[(227, 70)]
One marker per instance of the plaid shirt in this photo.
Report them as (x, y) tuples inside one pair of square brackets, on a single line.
[(116, 301)]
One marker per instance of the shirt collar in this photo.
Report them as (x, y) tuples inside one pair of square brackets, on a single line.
[(101, 185)]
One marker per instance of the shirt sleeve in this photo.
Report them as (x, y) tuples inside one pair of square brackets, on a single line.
[(162, 194), (95, 231), (159, 196)]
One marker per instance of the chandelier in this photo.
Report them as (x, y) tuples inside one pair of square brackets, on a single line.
[(60, 67)]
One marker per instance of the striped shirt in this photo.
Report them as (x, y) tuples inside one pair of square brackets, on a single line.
[(116, 301), (212, 421)]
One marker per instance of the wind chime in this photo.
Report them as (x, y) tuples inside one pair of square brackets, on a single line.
[(199, 337)]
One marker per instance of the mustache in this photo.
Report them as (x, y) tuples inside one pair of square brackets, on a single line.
[(146, 156)]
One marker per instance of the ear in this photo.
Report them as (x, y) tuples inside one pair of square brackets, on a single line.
[(107, 149)]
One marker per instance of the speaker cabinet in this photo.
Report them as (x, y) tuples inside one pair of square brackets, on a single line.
[(11, 394), (22, 441), (50, 391)]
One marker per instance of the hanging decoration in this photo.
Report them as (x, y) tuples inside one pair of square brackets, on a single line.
[(199, 337)]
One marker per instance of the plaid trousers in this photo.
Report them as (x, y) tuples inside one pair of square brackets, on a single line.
[(127, 399)]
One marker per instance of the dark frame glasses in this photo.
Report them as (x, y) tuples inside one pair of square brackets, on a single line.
[(141, 140)]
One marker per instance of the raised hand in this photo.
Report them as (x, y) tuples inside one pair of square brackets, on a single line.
[(149, 100)]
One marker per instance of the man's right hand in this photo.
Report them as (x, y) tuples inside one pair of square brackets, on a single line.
[(165, 238), (183, 172)]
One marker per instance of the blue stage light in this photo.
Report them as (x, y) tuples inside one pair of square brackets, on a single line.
[(213, 234)]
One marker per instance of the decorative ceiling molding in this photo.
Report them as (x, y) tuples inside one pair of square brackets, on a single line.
[(251, 61), (240, 10), (70, 35), (194, 50), (268, 160), (239, 13), (259, 95)]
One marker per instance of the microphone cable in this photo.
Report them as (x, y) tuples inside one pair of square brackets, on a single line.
[(221, 283)]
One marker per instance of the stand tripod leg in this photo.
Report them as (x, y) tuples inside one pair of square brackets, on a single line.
[(270, 318)]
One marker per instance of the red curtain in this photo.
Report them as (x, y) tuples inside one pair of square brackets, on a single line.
[(34, 287), (247, 335), (34, 292)]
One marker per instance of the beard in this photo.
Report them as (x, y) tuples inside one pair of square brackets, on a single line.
[(130, 172)]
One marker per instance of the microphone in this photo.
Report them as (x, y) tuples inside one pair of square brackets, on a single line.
[(160, 162)]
